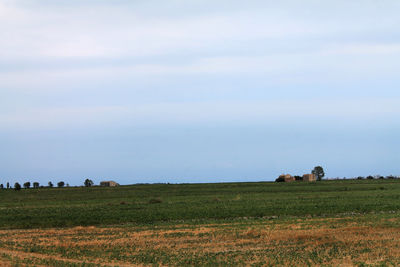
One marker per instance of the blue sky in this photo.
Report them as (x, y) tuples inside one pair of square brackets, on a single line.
[(197, 91)]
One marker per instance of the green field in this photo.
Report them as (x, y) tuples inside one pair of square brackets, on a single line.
[(169, 203), (346, 222)]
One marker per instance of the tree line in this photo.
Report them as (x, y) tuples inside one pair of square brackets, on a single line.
[(35, 185)]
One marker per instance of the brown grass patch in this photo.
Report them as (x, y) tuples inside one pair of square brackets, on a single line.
[(305, 242)]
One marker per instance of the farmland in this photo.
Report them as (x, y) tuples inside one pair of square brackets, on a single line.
[(353, 222)]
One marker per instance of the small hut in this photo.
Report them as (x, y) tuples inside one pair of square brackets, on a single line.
[(309, 178), (108, 183)]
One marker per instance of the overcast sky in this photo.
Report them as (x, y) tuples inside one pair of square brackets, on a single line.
[(198, 91)]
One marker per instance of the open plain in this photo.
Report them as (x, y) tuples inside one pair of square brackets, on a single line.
[(328, 223)]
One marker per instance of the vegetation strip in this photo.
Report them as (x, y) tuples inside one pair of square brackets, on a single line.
[(198, 203)]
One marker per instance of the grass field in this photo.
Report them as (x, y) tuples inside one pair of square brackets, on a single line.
[(331, 223)]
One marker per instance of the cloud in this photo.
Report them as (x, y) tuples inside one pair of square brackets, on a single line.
[(202, 113), (76, 30), (364, 49), (81, 33)]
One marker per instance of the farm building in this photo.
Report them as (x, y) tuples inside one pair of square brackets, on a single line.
[(108, 183), (287, 177), (309, 178)]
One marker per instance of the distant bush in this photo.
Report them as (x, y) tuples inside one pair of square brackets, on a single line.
[(17, 186), (155, 201), (360, 177), (280, 180), (60, 184), (27, 185), (370, 177), (88, 183), (50, 184), (35, 185)]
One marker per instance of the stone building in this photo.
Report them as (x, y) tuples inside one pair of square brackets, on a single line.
[(287, 177), (108, 183), (309, 178)]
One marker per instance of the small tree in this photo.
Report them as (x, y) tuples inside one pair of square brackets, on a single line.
[(27, 185), (17, 186), (88, 183), (60, 184), (35, 185), (1, 186), (50, 184), (8, 185), (318, 172), (370, 177)]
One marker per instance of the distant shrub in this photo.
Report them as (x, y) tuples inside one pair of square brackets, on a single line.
[(35, 185), (280, 180), (370, 177), (360, 177), (27, 185), (88, 183), (17, 186), (50, 184), (390, 177), (155, 201), (60, 184)]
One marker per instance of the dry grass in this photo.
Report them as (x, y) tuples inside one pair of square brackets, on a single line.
[(332, 242)]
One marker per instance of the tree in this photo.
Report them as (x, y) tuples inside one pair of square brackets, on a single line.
[(50, 184), (35, 185), (318, 172), (17, 186), (1, 186), (88, 182), (8, 185), (27, 185), (60, 184)]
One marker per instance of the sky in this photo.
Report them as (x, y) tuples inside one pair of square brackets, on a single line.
[(197, 91)]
